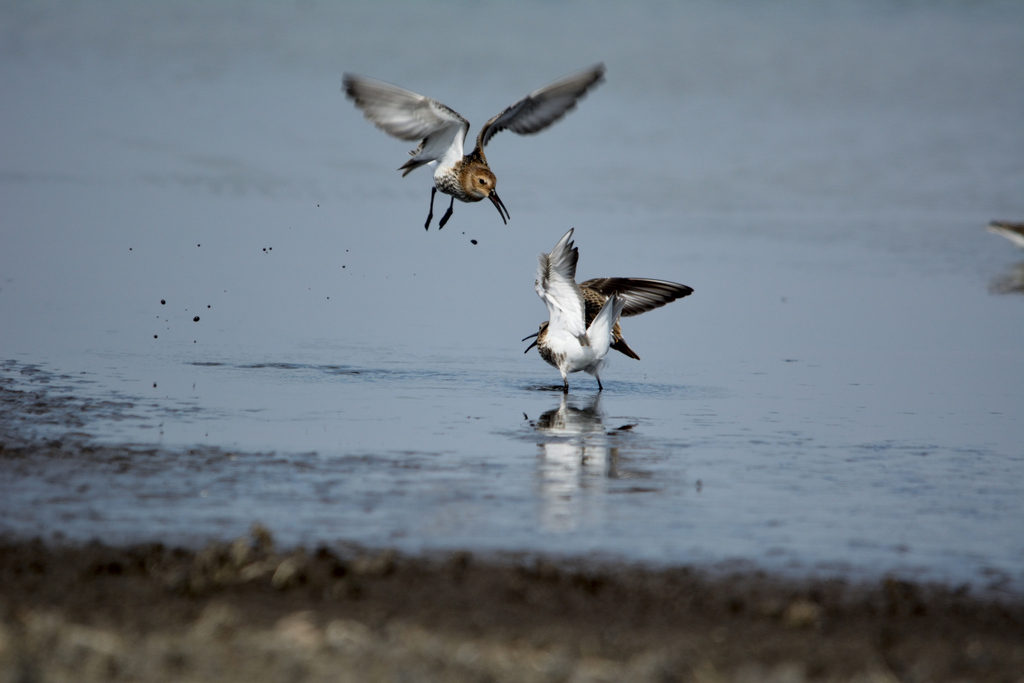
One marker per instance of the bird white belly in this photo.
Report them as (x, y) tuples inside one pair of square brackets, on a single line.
[(570, 355), (448, 161)]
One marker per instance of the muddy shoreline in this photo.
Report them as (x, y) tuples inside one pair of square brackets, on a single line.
[(246, 610), (250, 610)]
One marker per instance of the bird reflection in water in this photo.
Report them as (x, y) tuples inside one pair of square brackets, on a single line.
[(578, 459)]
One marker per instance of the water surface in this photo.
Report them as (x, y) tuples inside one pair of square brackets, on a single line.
[(209, 260)]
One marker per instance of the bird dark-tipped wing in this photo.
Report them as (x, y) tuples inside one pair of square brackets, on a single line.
[(640, 294), (541, 108)]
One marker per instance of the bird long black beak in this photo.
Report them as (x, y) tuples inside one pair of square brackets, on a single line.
[(500, 206), (529, 336)]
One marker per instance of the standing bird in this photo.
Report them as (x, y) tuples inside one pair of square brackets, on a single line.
[(442, 131), (568, 342), (636, 296)]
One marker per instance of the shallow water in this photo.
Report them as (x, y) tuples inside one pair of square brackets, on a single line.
[(841, 393)]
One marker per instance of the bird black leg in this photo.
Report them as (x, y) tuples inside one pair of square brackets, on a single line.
[(430, 214), (447, 214), (599, 387), (565, 385)]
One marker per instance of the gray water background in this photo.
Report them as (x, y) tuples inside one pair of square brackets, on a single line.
[(842, 393)]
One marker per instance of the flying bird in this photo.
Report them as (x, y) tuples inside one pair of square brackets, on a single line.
[(442, 131)]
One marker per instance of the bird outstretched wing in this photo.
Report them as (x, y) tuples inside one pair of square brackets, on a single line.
[(639, 294), (556, 285), (542, 107), (407, 115)]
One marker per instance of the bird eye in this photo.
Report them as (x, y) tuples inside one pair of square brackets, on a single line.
[(482, 181)]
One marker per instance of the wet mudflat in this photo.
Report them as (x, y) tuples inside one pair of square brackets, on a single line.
[(246, 610)]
